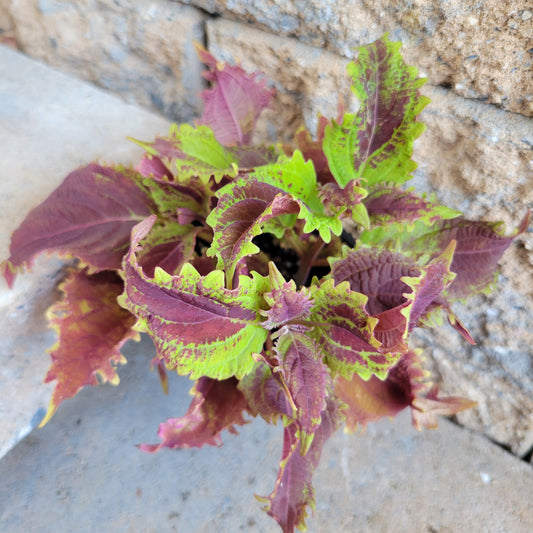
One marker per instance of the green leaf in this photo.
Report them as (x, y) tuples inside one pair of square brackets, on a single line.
[(298, 178), (293, 175), (376, 142), (192, 151), (345, 332), (198, 326), (246, 208)]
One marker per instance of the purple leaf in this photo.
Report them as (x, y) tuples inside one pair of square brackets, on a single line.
[(376, 274), (216, 406), (189, 196), (152, 166), (286, 303), (426, 289), (392, 328), (370, 400), (405, 386), (345, 331), (243, 208), (293, 491), (426, 408), (234, 101), (91, 329), (389, 205), (306, 378), (265, 393), (197, 325), (480, 246), (168, 246), (89, 216), (399, 291)]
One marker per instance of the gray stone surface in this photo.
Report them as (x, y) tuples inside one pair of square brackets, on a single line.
[(49, 125), (478, 48), (140, 49), (83, 473)]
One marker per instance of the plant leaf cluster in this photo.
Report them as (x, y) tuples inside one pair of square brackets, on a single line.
[(285, 281)]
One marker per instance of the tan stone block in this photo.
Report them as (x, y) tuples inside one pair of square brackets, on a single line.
[(141, 50), (308, 81), (477, 159), (481, 49), (5, 19)]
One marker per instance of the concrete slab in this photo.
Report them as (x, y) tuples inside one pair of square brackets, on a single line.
[(49, 125), (82, 473)]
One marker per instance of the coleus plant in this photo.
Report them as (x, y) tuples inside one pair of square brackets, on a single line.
[(284, 280)]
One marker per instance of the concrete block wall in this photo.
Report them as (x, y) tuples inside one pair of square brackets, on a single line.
[(475, 154)]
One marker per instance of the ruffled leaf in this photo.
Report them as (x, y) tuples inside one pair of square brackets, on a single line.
[(345, 331), (197, 325), (216, 406), (286, 303), (399, 291), (376, 142), (294, 492), (347, 202), (246, 207), (91, 329), (89, 216), (266, 393), (306, 378), (480, 245), (378, 275), (293, 175), (234, 101), (298, 178), (190, 151)]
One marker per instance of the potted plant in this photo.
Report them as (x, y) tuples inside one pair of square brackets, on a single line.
[(284, 280)]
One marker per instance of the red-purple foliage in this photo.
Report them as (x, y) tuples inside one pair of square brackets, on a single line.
[(236, 260)]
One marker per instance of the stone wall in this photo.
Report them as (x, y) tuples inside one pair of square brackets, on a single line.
[(475, 154)]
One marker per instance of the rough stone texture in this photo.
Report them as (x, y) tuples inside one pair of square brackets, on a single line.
[(5, 19), (7, 35), (83, 473), (308, 81), (477, 158), (140, 49), (482, 49), (43, 138)]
